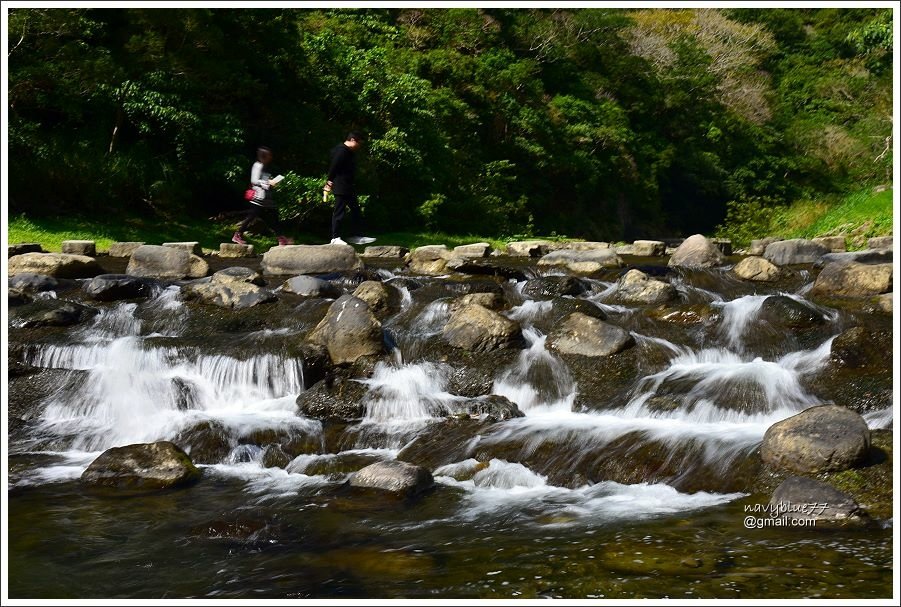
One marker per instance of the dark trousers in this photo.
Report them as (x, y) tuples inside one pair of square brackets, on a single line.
[(343, 202), (268, 216)]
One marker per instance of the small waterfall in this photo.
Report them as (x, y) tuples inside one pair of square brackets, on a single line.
[(539, 379), (529, 311), (111, 323), (409, 393), (738, 314)]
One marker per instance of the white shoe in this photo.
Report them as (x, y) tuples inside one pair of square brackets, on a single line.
[(337, 241), (360, 240)]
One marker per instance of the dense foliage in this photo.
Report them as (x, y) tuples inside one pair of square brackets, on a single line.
[(602, 123)]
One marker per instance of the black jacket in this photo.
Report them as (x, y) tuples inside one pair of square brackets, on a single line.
[(342, 169)]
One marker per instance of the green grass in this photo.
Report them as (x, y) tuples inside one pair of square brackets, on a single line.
[(50, 232)]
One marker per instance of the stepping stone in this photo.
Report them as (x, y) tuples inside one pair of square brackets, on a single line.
[(880, 242), (648, 248), (80, 247), (385, 251), (123, 249), (231, 249), (23, 247), (835, 244), (191, 247)]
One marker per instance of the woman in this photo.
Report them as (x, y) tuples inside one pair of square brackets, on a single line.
[(262, 205)]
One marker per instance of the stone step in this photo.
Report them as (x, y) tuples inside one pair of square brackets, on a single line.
[(880, 242), (391, 251), (80, 247), (231, 249), (123, 249), (23, 247), (191, 247)]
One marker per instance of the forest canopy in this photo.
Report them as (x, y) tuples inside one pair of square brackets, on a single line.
[(600, 123)]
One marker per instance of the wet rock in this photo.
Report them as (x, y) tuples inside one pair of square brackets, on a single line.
[(856, 348), (291, 260), (724, 245), (529, 248), (472, 251), (338, 397), (884, 303), (113, 287), (648, 248), (553, 286), (349, 331), (473, 373), (582, 262), (310, 286), (793, 252), (123, 249), (152, 261), (283, 442), (492, 301), (144, 467), (783, 311), (381, 299), (799, 497), (61, 314), (485, 267), (866, 256), (491, 408), (693, 314), (430, 260), (468, 287), (758, 246), (15, 297), (853, 280), (820, 439), (390, 251), (443, 443), (28, 389), (587, 336), (33, 283), (88, 248), (479, 329), (637, 287), (397, 477), (835, 244), (238, 274), (757, 269), (57, 265), (228, 293), (880, 242), (206, 442), (697, 252), (22, 248)]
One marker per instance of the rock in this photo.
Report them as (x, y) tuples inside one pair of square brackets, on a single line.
[(584, 245), (394, 476), (112, 287), (430, 260), (23, 247), (648, 248), (123, 249), (233, 250), (624, 249), (529, 248), (871, 256), (794, 251), (153, 261), (380, 298), (192, 248), (310, 286), (291, 260), (757, 269), (229, 290), (553, 286), (145, 467), (492, 301), (492, 408), (799, 497), (759, 245), (856, 348), (825, 438), (853, 280), (57, 265), (335, 398), (638, 287), (238, 274), (390, 251), (835, 244), (206, 442), (472, 251), (587, 336), (884, 303), (786, 312), (485, 267), (724, 245), (65, 315), (582, 262), (88, 248), (33, 283), (478, 329), (880, 242), (15, 297), (697, 252), (349, 331)]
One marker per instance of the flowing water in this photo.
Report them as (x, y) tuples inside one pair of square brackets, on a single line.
[(591, 494)]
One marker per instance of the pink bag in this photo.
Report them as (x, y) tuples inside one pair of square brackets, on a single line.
[(250, 194)]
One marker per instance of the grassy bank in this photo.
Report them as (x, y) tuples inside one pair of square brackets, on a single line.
[(857, 216), (50, 232)]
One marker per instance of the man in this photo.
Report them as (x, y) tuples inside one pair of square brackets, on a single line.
[(340, 182)]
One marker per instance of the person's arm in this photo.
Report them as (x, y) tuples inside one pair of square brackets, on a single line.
[(255, 174), (334, 166)]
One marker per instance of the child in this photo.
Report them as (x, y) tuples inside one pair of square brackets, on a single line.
[(262, 205)]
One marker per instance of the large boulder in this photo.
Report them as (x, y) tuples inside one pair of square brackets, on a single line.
[(29, 282), (310, 259), (152, 261), (697, 252), (853, 280), (430, 260), (57, 265), (553, 286), (757, 269), (799, 497), (380, 298), (586, 336), (638, 287), (349, 331), (397, 477), (143, 467), (826, 438), (112, 287), (648, 248), (479, 329), (582, 262), (235, 287), (310, 286), (793, 252)]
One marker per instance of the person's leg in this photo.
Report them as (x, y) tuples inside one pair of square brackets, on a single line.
[(275, 223), (338, 213), (356, 218), (252, 213)]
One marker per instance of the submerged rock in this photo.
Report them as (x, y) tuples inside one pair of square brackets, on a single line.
[(820, 439), (152, 261), (57, 265), (637, 287), (112, 287), (853, 280), (397, 477), (757, 269), (291, 260), (799, 497), (144, 467), (793, 252), (586, 336), (479, 329), (349, 331), (697, 252)]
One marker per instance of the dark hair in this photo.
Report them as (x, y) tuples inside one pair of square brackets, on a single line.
[(356, 136), (263, 150)]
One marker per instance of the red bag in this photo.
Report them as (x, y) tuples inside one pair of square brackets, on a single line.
[(250, 194)]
